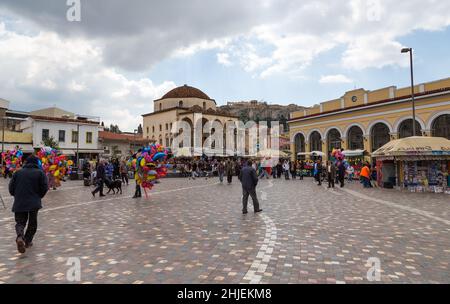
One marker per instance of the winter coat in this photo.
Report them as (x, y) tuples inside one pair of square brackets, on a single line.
[(101, 172), (248, 178), (28, 186)]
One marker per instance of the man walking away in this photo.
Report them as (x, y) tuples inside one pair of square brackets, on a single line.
[(331, 174), (249, 180), (28, 186), (100, 179)]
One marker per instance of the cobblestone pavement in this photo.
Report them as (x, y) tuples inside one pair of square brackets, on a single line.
[(193, 232)]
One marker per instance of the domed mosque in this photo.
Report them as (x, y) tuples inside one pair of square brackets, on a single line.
[(184, 103)]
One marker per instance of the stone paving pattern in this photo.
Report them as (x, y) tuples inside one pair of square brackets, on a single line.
[(193, 232)]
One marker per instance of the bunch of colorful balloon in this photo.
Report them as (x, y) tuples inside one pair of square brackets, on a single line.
[(55, 165), (150, 165), (12, 160), (337, 155)]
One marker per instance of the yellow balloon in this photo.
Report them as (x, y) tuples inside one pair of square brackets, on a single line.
[(69, 162), (143, 162), (52, 167), (56, 173)]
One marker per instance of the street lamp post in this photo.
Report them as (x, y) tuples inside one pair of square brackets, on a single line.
[(410, 51)]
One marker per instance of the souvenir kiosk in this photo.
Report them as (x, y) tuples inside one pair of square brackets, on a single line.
[(419, 164)]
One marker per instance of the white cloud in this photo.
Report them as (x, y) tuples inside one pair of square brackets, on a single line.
[(224, 59), (46, 70), (334, 79), (294, 34), (373, 51), (368, 31)]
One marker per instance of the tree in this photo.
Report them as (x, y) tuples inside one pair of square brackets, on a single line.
[(114, 129), (51, 142)]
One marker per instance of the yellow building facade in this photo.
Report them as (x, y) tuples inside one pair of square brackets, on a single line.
[(364, 120)]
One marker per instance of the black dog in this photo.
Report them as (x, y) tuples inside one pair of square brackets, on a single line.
[(113, 185)]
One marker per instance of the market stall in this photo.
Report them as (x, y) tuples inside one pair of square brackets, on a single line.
[(355, 158), (419, 164)]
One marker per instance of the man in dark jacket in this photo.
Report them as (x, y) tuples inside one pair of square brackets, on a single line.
[(341, 173), (249, 180), (28, 186), (101, 175)]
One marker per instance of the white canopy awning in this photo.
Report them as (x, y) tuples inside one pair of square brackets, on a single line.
[(352, 153), (416, 146), (317, 153), (303, 153)]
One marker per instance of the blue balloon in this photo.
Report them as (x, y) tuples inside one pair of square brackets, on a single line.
[(158, 156)]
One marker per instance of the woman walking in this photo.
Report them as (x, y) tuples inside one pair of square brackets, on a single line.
[(124, 172)]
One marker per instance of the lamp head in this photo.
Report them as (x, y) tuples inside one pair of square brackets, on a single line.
[(406, 50)]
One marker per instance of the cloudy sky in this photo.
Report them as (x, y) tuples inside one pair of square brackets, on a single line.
[(124, 54)]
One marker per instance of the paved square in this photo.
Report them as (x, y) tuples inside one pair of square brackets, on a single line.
[(193, 232)]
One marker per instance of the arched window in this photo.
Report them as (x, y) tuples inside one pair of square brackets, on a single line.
[(315, 141), (406, 129), (160, 106), (299, 144), (204, 105), (379, 136), (334, 140), (355, 138), (441, 126), (180, 103)]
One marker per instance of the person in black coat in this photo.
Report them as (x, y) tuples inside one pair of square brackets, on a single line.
[(28, 186), (249, 181), (101, 175), (279, 169), (137, 191), (341, 173)]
